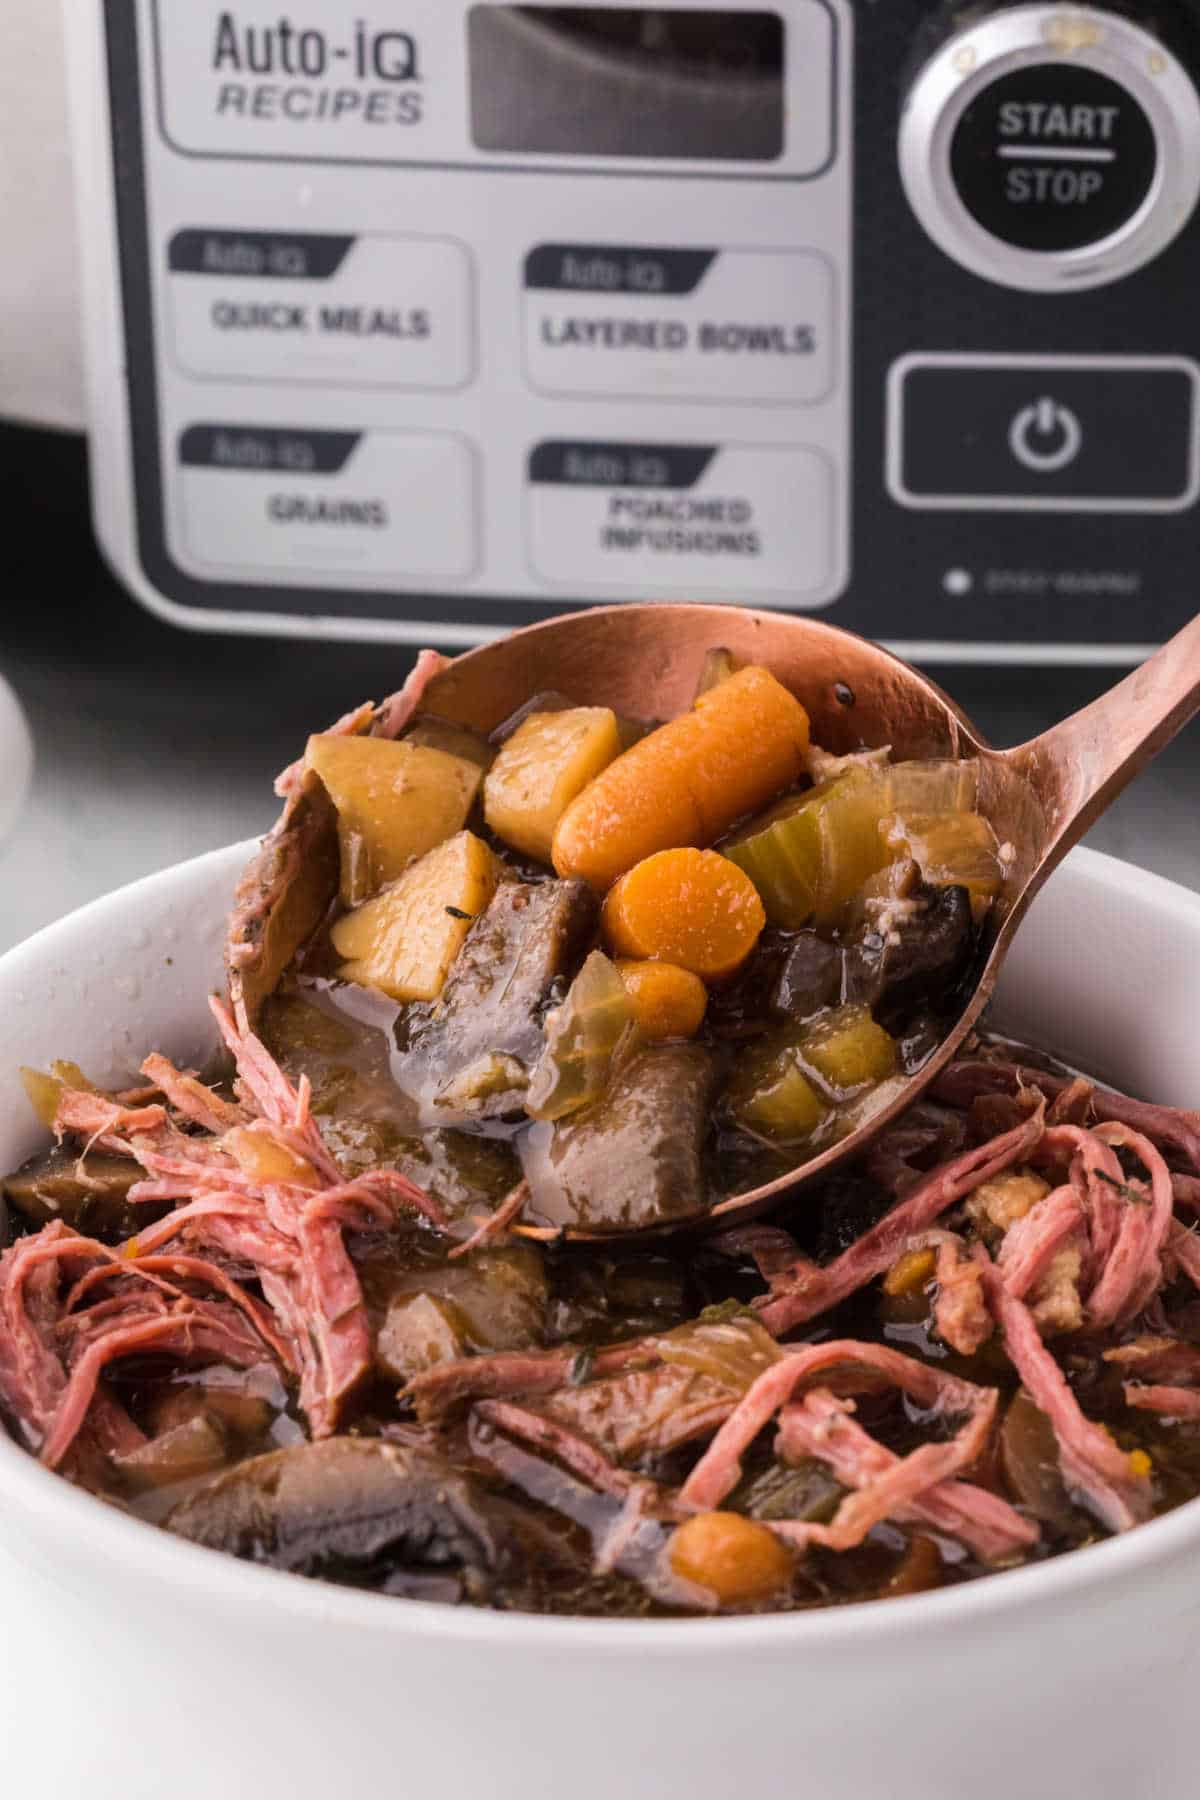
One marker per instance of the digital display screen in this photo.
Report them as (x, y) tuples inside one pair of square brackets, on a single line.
[(647, 82)]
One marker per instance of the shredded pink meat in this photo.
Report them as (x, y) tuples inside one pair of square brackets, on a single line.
[(1092, 1465), (960, 1313), (1031, 1244), (517, 1372), (1133, 1270), (95, 1116), (53, 1349), (821, 1425), (189, 1097), (1168, 1126), (1158, 1359), (288, 1234), (571, 1448), (210, 1331), (497, 1223), (806, 1290), (844, 1362), (396, 711), (1175, 1402), (32, 1377)]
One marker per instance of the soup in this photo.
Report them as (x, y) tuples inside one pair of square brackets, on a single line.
[(321, 1308)]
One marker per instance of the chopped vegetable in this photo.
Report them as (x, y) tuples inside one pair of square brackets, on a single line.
[(394, 801), (733, 1351), (404, 940), (909, 1273), (809, 854), (42, 1092), (771, 1093), (951, 849), (733, 1558), (921, 1569), (787, 1083), (1030, 1461), (690, 907), (548, 760), (595, 1027), (848, 1050), (929, 786), (687, 782), (264, 1157), (667, 1001)]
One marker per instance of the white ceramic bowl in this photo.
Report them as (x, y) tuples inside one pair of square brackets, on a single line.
[(138, 1665)]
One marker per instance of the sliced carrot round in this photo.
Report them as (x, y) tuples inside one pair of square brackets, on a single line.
[(734, 1558), (667, 1001), (690, 907)]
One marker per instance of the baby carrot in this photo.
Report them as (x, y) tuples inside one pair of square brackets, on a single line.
[(742, 743)]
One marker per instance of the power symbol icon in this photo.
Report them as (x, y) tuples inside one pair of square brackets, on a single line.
[(1045, 436)]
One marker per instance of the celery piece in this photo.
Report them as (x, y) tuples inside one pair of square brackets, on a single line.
[(770, 1094), (810, 852), (848, 1051)]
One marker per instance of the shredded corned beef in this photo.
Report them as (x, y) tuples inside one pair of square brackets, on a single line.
[(1094, 1246), (843, 1363), (289, 1234), (822, 1425), (1176, 1402), (1092, 1464), (802, 1293), (1169, 1127)]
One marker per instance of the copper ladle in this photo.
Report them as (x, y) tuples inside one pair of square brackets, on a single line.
[(1040, 797)]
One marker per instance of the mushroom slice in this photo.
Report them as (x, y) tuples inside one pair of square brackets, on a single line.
[(361, 1509)]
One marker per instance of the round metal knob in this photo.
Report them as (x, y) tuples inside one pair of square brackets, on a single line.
[(1050, 149)]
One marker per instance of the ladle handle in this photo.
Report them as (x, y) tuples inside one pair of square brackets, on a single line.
[(1079, 766)]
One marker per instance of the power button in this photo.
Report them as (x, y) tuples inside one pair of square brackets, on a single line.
[(1045, 436), (1048, 149)]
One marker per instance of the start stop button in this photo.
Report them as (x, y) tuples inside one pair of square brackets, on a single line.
[(1048, 149)]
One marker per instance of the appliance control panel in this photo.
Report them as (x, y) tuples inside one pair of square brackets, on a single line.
[(426, 320)]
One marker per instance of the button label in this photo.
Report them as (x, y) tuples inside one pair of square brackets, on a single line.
[(692, 516), (373, 503), (647, 323), (277, 306), (1053, 157)]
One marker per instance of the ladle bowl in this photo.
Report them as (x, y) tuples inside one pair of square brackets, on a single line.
[(1040, 797)]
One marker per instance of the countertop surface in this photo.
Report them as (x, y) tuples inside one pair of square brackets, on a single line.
[(153, 744)]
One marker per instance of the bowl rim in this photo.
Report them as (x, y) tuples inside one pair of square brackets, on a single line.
[(222, 1581)]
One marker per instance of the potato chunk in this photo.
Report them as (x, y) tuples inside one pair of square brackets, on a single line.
[(546, 763), (404, 940), (394, 802)]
